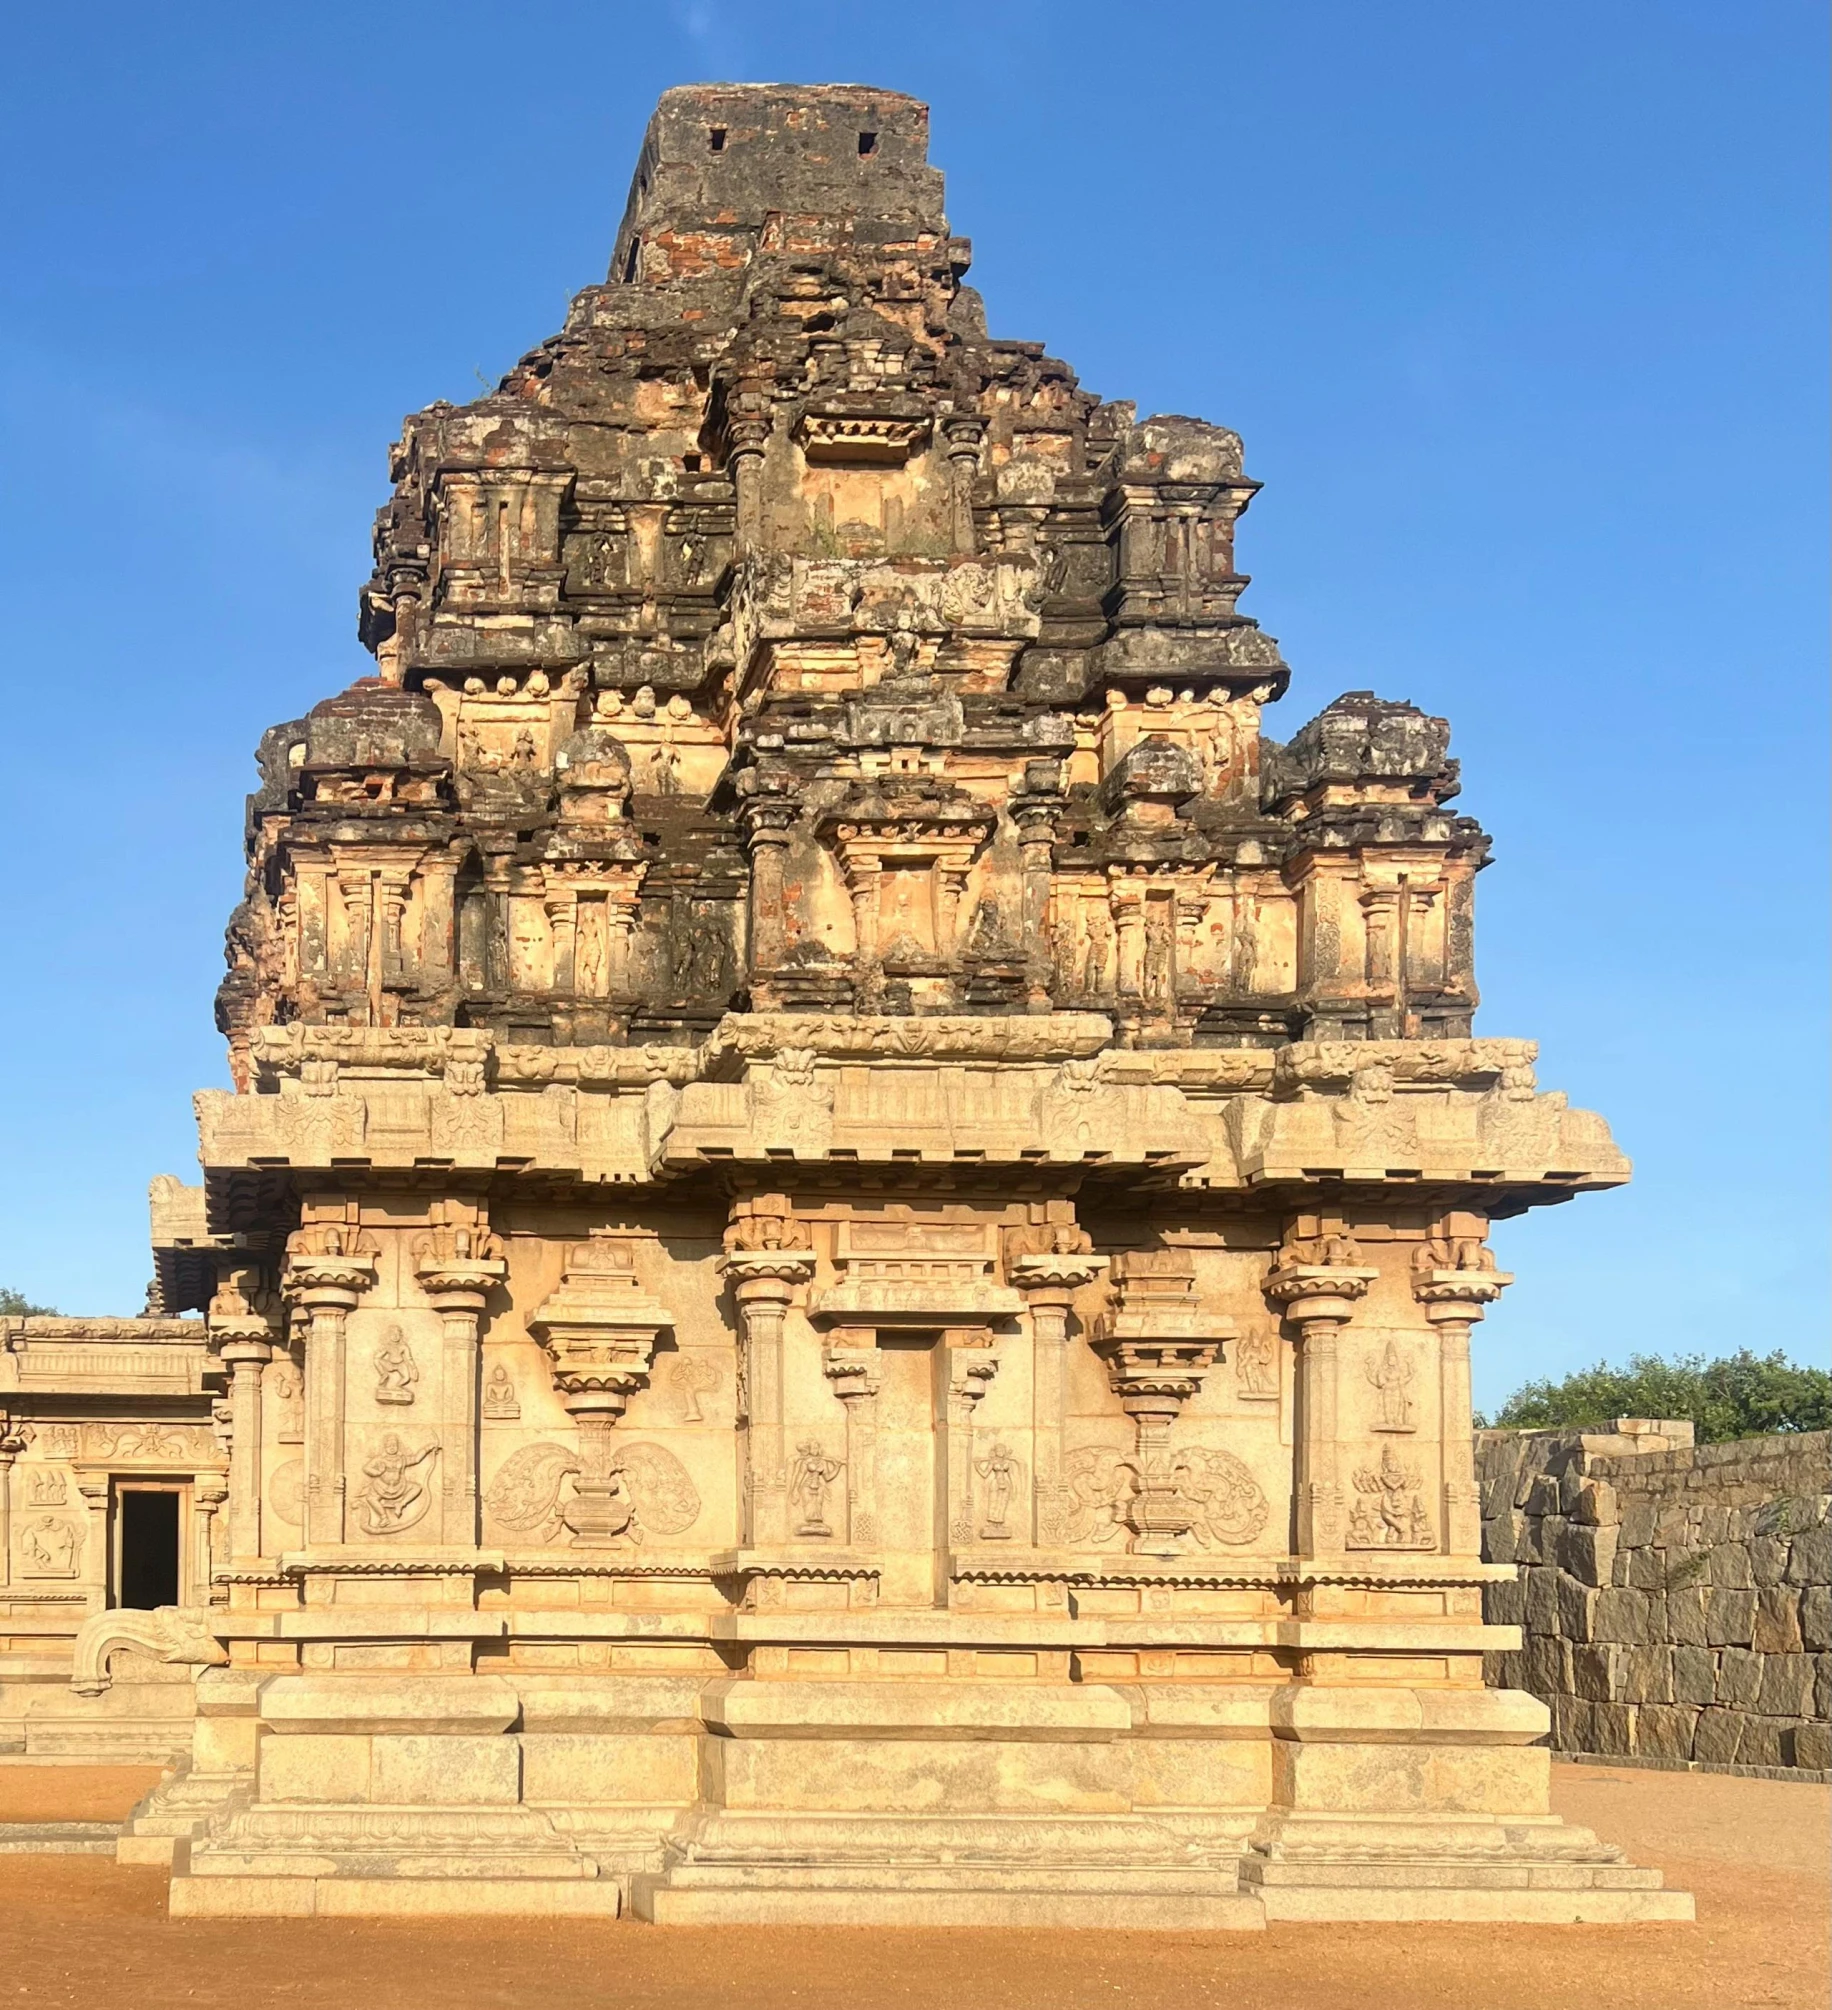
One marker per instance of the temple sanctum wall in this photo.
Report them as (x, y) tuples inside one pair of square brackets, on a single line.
[(837, 1283)]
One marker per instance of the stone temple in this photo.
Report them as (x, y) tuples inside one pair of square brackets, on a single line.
[(837, 1283)]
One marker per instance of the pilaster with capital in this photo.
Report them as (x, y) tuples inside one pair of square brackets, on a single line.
[(963, 433), (329, 1265), (768, 1258), (12, 1443), (1455, 1280), (1049, 1282), (1317, 1281), (244, 1331), (208, 1492), (972, 1362), (850, 1362), (458, 1264)]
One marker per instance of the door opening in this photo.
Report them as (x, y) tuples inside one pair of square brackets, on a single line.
[(149, 1547)]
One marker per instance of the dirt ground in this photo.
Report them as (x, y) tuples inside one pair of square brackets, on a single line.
[(81, 1931)]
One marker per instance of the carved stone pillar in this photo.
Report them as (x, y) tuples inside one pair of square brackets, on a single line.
[(963, 436), (1049, 1283), (767, 825), (749, 435), (1129, 929), (208, 1492), (457, 1266), (328, 1267), (767, 1259), (971, 1364), (599, 1329), (1035, 815), (1454, 1280), (850, 1362), (953, 863), (12, 1443), (95, 1489), (243, 1336), (245, 1356), (562, 909), (1317, 1283)]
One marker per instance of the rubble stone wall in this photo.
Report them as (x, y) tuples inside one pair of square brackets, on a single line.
[(1673, 1598)]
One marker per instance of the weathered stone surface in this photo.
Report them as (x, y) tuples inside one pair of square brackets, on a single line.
[(1543, 1594), (1595, 1673), (1716, 1736), (1768, 1556), (1704, 1549), (1763, 1741), (1694, 1675), (1728, 1566), (1730, 1618), (1686, 1617), (1786, 1688), (1587, 1553), (1810, 1556), (1645, 1675), (1812, 1746), (1739, 1677), (1612, 1725), (1546, 1664), (1777, 1623), (1665, 1731), (1623, 1615)]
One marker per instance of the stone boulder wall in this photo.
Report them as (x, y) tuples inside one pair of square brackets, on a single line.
[(1675, 1599)]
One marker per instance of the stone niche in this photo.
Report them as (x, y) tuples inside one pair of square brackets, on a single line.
[(838, 1282)]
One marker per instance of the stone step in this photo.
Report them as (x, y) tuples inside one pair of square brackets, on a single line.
[(1451, 1875), (58, 1838), (269, 1897), (666, 1904), (1076, 1881), (1372, 1904)]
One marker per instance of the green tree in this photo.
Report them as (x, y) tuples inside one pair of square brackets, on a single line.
[(16, 1305), (1740, 1395)]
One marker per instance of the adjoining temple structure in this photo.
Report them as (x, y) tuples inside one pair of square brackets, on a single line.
[(837, 1284)]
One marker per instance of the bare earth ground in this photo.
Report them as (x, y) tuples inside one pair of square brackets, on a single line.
[(81, 1931)]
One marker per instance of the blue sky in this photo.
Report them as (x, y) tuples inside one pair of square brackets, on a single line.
[(1521, 311)]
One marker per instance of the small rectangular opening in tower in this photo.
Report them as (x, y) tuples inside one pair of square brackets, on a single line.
[(149, 1547), (630, 258), (868, 144), (715, 138)]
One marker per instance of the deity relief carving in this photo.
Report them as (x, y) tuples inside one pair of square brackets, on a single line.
[(1392, 1372), (1391, 1512), (810, 1479), (48, 1547), (646, 1491), (397, 1486), (286, 1390), (690, 1377), (396, 1370), (1000, 1476), (1256, 1366), (500, 1402), (46, 1488)]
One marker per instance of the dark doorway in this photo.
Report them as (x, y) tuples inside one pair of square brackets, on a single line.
[(149, 1548)]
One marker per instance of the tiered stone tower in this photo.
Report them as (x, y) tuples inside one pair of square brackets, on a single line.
[(880, 1202)]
